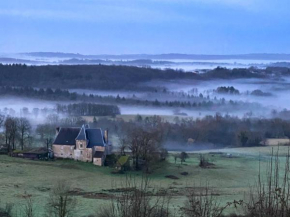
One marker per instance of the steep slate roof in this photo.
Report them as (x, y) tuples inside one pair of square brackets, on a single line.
[(98, 154), (82, 134), (67, 136), (95, 137)]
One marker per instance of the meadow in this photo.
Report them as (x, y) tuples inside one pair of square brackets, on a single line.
[(230, 176)]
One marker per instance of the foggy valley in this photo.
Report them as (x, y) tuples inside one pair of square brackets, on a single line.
[(132, 108), (216, 116)]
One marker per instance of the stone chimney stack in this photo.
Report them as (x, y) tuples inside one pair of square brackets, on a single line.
[(106, 135), (57, 129)]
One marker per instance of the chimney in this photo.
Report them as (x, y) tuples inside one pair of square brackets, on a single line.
[(106, 135), (57, 130)]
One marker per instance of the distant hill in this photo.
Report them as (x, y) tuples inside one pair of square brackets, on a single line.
[(7, 60), (281, 64), (169, 56)]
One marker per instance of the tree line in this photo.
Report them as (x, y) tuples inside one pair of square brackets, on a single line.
[(88, 109), (208, 132), (15, 130), (18, 133), (156, 133), (190, 101), (112, 77), (102, 77)]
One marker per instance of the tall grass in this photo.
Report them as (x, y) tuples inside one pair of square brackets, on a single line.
[(271, 198), (137, 200)]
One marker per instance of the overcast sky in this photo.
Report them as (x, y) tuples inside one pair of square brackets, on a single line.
[(145, 26)]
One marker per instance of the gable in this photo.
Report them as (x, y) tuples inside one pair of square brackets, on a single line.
[(82, 134)]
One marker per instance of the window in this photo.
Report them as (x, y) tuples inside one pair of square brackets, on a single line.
[(81, 152), (81, 145)]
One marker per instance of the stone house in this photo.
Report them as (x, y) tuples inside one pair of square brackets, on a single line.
[(83, 144)]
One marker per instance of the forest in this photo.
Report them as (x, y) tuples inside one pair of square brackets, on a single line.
[(105, 77)]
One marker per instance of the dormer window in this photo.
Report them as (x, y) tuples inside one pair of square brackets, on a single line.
[(81, 145)]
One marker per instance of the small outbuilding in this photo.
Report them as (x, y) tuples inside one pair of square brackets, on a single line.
[(34, 154), (276, 141), (99, 158)]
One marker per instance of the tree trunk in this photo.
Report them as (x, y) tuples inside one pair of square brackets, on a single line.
[(22, 141), (137, 163)]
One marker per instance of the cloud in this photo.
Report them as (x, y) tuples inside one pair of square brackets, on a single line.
[(28, 13), (143, 11), (192, 26), (245, 3), (91, 11)]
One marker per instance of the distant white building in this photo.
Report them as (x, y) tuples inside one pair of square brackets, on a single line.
[(276, 141)]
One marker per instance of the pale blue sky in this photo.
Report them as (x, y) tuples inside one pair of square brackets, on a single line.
[(145, 26)]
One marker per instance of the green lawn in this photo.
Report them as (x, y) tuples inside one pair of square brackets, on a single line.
[(229, 177)]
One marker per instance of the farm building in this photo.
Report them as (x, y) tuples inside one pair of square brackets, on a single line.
[(83, 144), (276, 141), (34, 154)]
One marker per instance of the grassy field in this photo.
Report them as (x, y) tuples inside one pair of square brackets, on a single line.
[(230, 177)]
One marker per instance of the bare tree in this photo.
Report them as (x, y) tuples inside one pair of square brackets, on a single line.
[(145, 146), (60, 202), (183, 156), (123, 143), (45, 131), (2, 119), (10, 132), (24, 128), (52, 119), (175, 157), (35, 112)]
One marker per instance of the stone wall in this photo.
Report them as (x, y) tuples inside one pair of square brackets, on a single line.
[(82, 153), (99, 161), (81, 144), (63, 151)]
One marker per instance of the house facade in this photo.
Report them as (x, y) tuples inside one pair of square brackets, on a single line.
[(83, 144)]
